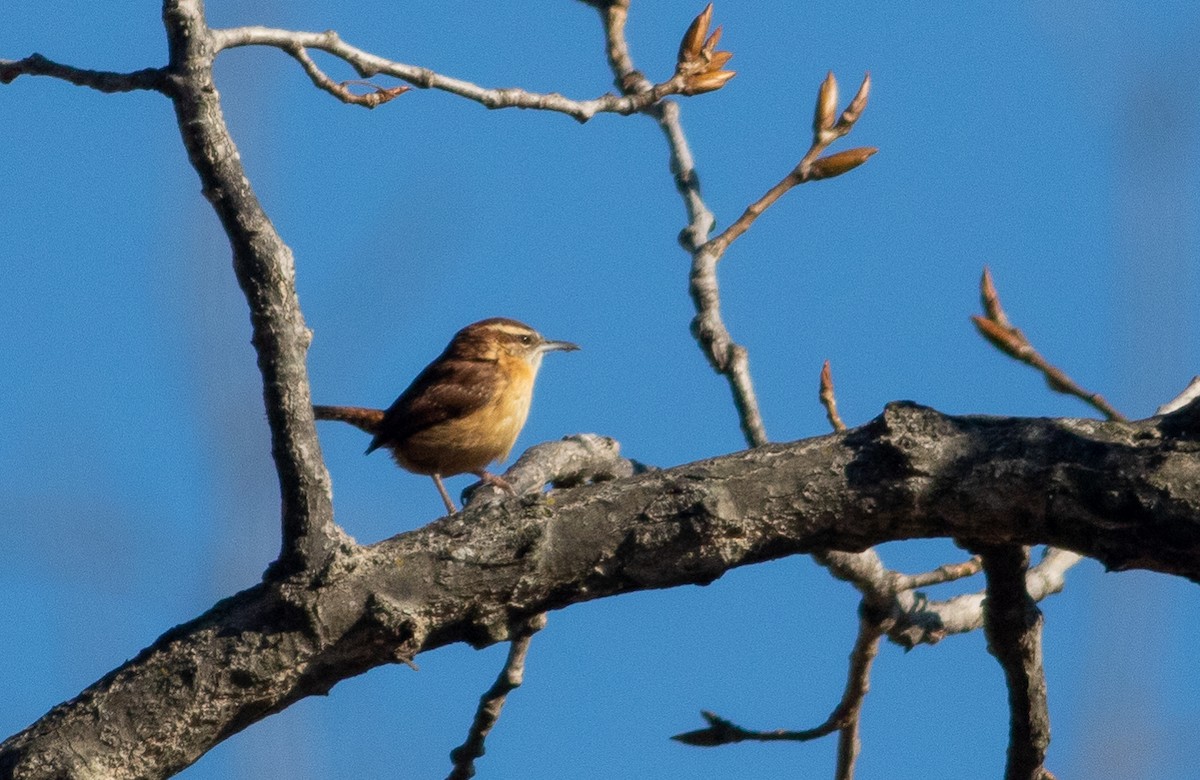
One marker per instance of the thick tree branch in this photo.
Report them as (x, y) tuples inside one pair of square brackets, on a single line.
[(1127, 494), (1013, 625), (266, 273)]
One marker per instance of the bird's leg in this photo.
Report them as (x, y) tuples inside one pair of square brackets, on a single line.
[(496, 482), (450, 507)]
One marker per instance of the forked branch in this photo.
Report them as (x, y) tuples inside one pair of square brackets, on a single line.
[(691, 80)]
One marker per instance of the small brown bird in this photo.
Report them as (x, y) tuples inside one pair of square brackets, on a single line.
[(465, 409)]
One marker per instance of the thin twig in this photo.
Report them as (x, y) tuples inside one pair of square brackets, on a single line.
[(948, 572), (726, 356), (492, 701), (1013, 626), (378, 96), (826, 130), (844, 715), (369, 65), (102, 80), (1000, 333)]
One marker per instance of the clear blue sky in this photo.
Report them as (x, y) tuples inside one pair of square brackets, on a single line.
[(1055, 142)]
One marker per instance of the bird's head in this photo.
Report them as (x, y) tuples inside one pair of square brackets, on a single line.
[(500, 337)]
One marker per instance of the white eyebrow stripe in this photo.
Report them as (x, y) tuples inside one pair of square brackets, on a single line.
[(511, 330)]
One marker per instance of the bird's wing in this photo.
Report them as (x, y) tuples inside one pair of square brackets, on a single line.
[(445, 390)]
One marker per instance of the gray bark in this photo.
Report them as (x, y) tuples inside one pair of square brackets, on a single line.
[(1127, 494)]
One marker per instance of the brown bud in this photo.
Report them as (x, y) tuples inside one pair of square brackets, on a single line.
[(827, 98), (828, 400), (1007, 340), (707, 82), (826, 380), (711, 44), (991, 299), (693, 39), (718, 59), (855, 109), (837, 164)]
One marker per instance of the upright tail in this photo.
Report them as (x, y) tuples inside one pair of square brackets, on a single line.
[(367, 420)]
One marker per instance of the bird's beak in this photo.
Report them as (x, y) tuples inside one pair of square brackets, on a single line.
[(564, 346)]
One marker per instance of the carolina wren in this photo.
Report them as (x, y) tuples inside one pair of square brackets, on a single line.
[(465, 409)]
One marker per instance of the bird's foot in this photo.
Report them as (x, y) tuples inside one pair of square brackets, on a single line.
[(495, 481)]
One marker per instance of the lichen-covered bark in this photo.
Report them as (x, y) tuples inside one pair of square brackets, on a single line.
[(1127, 494)]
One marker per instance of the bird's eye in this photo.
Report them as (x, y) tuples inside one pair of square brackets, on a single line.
[(527, 340)]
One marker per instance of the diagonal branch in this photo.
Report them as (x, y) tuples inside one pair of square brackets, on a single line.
[(492, 701), (265, 271), (826, 130), (1000, 333)]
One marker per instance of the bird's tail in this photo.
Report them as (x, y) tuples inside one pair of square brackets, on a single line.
[(367, 420)]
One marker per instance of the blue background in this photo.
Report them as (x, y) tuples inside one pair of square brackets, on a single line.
[(1055, 142)]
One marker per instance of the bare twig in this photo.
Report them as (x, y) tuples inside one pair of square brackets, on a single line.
[(829, 400), (102, 80), (377, 96), (369, 65), (727, 357), (492, 701), (812, 166), (945, 573), (1013, 626), (844, 717), (1000, 333)]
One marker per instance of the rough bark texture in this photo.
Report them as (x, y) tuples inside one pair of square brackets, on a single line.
[(266, 273), (1127, 494), (1013, 625)]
